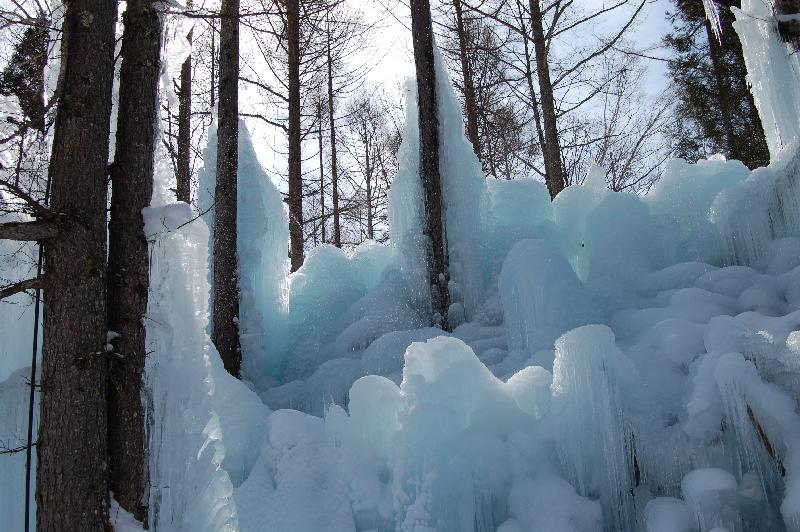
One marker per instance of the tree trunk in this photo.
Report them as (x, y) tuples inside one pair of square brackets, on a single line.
[(422, 34), (184, 173), (225, 331), (128, 260), (469, 86), (321, 175), (551, 150), (789, 30), (213, 84), (295, 199), (337, 228), (537, 117), (368, 172), (72, 475)]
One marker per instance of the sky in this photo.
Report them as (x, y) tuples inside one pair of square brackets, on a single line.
[(394, 39), (392, 61)]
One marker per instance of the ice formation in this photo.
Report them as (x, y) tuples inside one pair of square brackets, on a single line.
[(625, 363), (464, 197), (773, 73), (196, 404), (262, 240)]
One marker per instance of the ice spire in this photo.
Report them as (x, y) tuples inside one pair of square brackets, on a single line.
[(712, 14)]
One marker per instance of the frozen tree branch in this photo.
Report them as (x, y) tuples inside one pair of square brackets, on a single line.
[(22, 286)]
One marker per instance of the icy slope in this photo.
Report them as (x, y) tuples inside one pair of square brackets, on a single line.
[(623, 426)]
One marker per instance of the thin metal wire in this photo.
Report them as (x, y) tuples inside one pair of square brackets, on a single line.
[(32, 397), (34, 352)]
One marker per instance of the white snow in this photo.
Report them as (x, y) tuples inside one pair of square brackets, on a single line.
[(121, 520)]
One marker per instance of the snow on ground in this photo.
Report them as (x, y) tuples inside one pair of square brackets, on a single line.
[(624, 363)]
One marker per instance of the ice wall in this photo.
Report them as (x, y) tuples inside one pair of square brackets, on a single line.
[(542, 297), (194, 403), (596, 391), (680, 414), (464, 200), (773, 71), (263, 263), (406, 211), (262, 241), (763, 208), (204, 425), (464, 194)]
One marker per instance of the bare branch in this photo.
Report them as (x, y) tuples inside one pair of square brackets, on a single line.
[(28, 231), (5, 449), (22, 286), (17, 192)]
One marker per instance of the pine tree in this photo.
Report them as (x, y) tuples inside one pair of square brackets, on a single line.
[(128, 260), (72, 490), (23, 77), (715, 110)]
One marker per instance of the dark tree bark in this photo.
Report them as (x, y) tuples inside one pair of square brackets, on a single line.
[(551, 150), (72, 475), (21, 286), (368, 170), (422, 34), (128, 265), (184, 174), (295, 198), (321, 175), (537, 117), (213, 85), (469, 86), (225, 331), (337, 228), (789, 28)]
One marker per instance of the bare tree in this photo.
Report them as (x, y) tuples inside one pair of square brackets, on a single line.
[(295, 199), (185, 128), (554, 80), (503, 128), (632, 148), (225, 330), (183, 173), (370, 145), (337, 226), (554, 173), (464, 53)]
